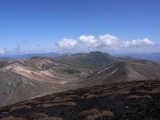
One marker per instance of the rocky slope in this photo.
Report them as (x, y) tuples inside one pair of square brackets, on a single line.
[(134, 100), (23, 79)]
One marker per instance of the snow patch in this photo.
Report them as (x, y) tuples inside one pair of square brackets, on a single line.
[(105, 69), (113, 72)]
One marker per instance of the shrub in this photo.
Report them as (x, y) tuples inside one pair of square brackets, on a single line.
[(82, 97), (103, 114), (51, 118), (138, 97), (133, 97), (155, 91), (73, 96), (122, 91), (89, 112), (5, 113), (12, 118), (89, 118), (38, 116), (59, 104), (20, 108), (62, 100), (105, 94), (71, 71), (91, 96), (107, 113)]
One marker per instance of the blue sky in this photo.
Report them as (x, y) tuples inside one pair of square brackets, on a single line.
[(114, 26)]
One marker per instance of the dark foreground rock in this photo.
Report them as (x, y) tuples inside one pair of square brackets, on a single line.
[(138, 100)]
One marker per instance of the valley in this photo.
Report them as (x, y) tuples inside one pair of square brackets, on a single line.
[(27, 78)]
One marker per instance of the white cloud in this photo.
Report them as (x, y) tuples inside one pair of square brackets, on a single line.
[(2, 51), (104, 41), (87, 40), (108, 37), (67, 43), (109, 42), (139, 43)]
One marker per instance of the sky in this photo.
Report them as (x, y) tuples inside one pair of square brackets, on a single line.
[(72, 26)]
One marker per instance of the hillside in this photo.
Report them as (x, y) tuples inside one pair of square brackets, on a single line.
[(24, 79), (120, 101), (27, 78), (125, 71)]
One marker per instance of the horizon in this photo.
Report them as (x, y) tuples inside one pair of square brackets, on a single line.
[(114, 27), (131, 54)]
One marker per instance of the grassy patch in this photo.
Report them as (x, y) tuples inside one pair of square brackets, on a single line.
[(20, 108), (88, 112), (138, 97), (13, 118), (71, 71), (96, 116), (59, 104), (38, 116)]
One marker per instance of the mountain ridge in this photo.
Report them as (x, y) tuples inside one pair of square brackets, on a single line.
[(29, 55), (46, 75), (150, 56), (125, 71)]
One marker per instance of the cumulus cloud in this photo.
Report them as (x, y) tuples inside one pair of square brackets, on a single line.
[(108, 37), (2, 51), (106, 41), (103, 41), (67, 43), (139, 43), (87, 40)]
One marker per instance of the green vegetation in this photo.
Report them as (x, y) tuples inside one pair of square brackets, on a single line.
[(3, 63), (19, 83), (71, 71)]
